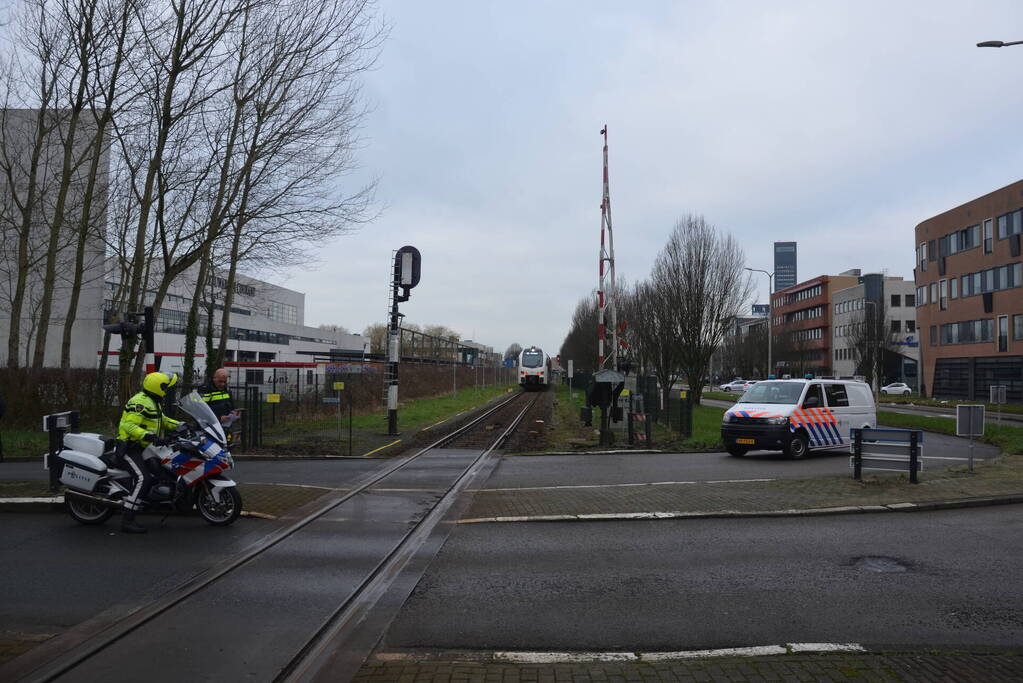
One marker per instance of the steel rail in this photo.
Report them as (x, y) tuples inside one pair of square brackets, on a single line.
[(312, 659), (63, 660)]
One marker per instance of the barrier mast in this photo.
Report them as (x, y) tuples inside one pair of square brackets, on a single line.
[(606, 299)]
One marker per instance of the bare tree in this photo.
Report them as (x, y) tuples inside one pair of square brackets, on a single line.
[(653, 326), (872, 341), (513, 351), (700, 285), (580, 344)]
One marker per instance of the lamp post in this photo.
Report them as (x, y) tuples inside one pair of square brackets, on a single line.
[(875, 337), (998, 43), (770, 315)]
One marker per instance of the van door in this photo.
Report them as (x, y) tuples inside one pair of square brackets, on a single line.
[(810, 416), (840, 412)]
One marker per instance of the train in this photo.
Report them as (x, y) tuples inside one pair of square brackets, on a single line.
[(534, 369)]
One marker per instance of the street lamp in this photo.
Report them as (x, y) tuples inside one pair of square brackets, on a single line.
[(998, 43), (770, 314), (875, 336)]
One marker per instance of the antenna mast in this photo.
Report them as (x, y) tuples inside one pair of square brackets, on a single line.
[(606, 300)]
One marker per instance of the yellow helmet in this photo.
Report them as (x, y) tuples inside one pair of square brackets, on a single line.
[(157, 383)]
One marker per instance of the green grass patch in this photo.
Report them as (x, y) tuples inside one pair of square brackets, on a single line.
[(412, 414), (721, 396), (369, 430), (937, 403), (1009, 439), (25, 488)]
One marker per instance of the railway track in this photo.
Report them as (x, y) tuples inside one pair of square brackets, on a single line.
[(307, 602)]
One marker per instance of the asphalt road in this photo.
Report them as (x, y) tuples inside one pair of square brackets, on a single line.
[(923, 579), (939, 451)]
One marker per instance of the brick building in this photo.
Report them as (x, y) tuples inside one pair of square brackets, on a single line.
[(801, 325), (969, 274)]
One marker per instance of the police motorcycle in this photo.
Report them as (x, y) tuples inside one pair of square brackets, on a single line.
[(187, 471)]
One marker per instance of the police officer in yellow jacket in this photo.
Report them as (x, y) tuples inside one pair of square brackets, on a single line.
[(142, 423)]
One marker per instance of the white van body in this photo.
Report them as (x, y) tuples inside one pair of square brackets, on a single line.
[(794, 415)]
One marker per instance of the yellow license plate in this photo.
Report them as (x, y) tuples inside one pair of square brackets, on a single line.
[(746, 441)]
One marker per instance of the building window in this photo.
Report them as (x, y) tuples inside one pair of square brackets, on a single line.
[(285, 313), (1017, 327), (921, 256), (1003, 333), (896, 301), (934, 335), (247, 356), (896, 326), (934, 293), (910, 300), (943, 301), (988, 241), (910, 326), (267, 356), (253, 376), (953, 288)]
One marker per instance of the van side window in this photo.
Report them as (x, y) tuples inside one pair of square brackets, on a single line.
[(837, 396), (814, 392)]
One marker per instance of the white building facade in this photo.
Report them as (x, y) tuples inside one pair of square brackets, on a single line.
[(849, 307)]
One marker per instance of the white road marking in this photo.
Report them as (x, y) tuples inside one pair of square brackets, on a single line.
[(757, 651), (557, 657), (825, 647), (611, 486)]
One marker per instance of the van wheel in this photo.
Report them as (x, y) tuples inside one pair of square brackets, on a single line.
[(797, 446), (736, 451)]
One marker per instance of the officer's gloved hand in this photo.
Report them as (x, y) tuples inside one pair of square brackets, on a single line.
[(158, 441)]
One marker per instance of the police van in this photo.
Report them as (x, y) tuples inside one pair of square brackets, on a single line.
[(796, 415)]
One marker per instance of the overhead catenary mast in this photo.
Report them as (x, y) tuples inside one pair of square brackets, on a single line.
[(606, 299)]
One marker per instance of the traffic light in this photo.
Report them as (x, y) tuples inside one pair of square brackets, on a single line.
[(136, 324)]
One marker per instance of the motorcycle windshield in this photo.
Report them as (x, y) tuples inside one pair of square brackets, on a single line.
[(196, 408)]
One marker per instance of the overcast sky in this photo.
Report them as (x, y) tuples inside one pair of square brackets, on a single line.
[(836, 124)]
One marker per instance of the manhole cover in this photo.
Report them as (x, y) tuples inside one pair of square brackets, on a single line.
[(881, 565)]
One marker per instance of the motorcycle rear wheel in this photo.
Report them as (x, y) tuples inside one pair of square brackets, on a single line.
[(222, 513), (85, 511)]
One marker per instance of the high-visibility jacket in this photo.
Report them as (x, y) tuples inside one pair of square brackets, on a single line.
[(219, 400), (143, 420)]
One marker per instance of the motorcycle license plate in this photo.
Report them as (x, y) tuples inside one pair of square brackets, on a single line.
[(746, 441)]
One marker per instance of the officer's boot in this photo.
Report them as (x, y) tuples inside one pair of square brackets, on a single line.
[(128, 524)]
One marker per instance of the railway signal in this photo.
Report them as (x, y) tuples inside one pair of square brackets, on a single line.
[(404, 276)]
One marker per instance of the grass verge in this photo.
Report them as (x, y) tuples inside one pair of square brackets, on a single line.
[(937, 403), (1009, 439), (369, 430)]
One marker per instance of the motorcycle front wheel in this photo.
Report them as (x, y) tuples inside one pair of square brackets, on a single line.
[(222, 513), (85, 511)]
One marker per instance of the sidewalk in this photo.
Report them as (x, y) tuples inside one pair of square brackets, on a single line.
[(992, 483)]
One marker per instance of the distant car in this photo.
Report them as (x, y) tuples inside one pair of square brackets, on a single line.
[(897, 389), (739, 386)]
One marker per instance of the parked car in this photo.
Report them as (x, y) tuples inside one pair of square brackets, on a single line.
[(737, 385), (897, 389)]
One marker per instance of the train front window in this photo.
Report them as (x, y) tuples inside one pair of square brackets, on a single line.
[(532, 359)]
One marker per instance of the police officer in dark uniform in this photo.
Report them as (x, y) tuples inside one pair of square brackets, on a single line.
[(219, 399)]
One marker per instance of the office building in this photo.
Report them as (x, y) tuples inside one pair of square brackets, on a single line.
[(851, 307), (969, 274), (801, 325), (785, 275), (267, 328)]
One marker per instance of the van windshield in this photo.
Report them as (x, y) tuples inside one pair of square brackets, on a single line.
[(773, 392)]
